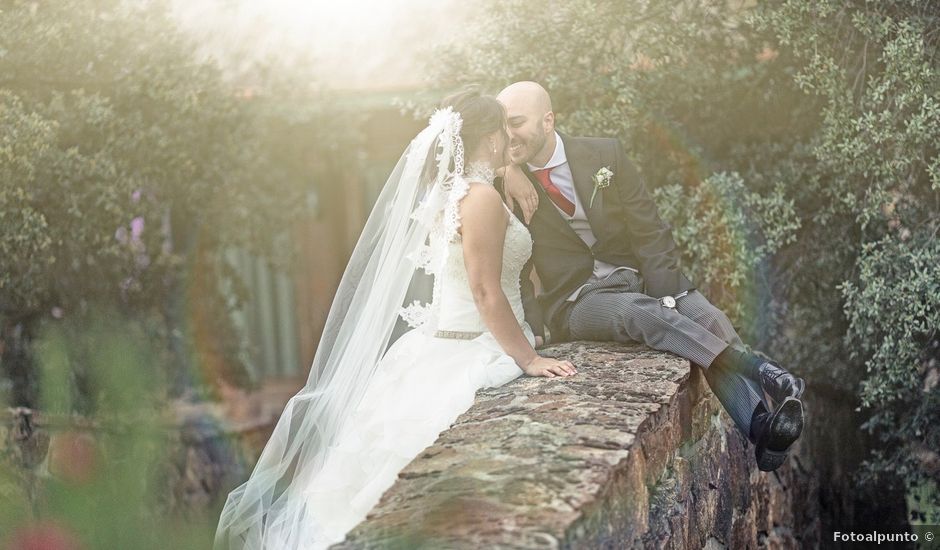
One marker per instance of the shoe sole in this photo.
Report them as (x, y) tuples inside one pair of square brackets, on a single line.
[(784, 429)]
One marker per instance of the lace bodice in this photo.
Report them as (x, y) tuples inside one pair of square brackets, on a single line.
[(458, 310)]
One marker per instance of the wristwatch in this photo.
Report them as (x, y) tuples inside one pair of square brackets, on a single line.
[(670, 301)]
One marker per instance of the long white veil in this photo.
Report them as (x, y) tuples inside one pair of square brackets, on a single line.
[(413, 218)]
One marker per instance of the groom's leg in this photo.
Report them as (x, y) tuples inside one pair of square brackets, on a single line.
[(696, 306), (614, 314), (738, 393)]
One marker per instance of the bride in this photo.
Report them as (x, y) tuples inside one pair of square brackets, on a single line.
[(372, 403)]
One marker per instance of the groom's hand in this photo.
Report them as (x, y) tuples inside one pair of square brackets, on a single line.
[(539, 341), (519, 190)]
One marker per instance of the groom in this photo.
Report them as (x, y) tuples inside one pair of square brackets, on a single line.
[(610, 271)]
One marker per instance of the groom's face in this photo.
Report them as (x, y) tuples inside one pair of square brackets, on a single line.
[(527, 138), (528, 129)]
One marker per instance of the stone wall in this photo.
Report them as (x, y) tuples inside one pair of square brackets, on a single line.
[(634, 451)]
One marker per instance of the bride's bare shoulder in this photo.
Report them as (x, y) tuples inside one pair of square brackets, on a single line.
[(482, 204), (482, 195)]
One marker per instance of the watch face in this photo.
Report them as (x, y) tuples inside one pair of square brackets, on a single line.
[(669, 301)]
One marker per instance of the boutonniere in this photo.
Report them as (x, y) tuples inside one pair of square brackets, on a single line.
[(601, 180)]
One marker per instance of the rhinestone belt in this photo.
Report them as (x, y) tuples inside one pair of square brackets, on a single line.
[(457, 334)]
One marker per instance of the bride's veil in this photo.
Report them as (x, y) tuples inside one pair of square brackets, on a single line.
[(410, 224)]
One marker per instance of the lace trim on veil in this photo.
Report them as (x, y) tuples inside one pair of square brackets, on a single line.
[(440, 213)]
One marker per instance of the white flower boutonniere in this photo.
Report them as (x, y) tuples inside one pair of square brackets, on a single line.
[(601, 180)]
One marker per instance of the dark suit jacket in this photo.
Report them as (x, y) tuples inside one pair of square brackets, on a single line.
[(623, 218)]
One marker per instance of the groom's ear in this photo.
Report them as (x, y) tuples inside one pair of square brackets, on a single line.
[(549, 122)]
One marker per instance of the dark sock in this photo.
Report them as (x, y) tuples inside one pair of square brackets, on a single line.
[(758, 410)]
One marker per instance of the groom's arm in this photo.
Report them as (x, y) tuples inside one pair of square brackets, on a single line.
[(530, 303), (651, 238)]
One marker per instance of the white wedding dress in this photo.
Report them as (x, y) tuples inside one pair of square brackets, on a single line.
[(422, 384), (370, 405)]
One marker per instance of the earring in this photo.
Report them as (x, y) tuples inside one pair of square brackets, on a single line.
[(493, 143)]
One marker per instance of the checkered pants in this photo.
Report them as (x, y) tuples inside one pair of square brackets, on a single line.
[(616, 309)]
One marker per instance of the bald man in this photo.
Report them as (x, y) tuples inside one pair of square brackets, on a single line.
[(609, 270)]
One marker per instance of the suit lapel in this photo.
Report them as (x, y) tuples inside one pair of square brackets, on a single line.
[(547, 211), (584, 163)]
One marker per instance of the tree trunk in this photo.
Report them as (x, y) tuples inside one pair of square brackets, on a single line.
[(16, 361)]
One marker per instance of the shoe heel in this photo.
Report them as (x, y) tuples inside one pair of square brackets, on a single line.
[(785, 427), (768, 461), (787, 424)]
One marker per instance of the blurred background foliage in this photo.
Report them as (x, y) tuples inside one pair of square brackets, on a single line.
[(104, 476), (129, 167), (793, 147)]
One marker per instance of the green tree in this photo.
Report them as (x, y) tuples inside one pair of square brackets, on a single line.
[(127, 167), (875, 66)]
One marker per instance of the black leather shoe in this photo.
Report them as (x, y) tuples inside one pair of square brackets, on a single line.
[(775, 432), (778, 383)]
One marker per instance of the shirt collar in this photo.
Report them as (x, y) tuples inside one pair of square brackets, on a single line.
[(558, 156)]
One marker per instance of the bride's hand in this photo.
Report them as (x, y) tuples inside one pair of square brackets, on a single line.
[(548, 367), (520, 190)]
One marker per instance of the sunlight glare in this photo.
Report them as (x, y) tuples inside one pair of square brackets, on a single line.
[(353, 43)]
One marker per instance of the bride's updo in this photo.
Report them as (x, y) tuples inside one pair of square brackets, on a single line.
[(482, 115)]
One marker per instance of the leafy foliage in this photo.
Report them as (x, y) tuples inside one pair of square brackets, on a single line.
[(875, 149), (723, 231), (128, 167), (112, 121)]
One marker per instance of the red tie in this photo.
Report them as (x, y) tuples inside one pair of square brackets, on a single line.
[(545, 178)]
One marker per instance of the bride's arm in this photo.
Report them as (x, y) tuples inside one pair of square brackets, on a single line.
[(519, 190), (483, 228)]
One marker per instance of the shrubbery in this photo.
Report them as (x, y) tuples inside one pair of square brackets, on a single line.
[(128, 167)]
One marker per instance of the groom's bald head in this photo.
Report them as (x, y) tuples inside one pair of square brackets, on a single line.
[(531, 122), (528, 92)]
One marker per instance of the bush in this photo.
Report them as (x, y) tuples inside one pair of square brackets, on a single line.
[(876, 158), (127, 168)]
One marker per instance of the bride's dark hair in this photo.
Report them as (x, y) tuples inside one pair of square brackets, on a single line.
[(481, 115)]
